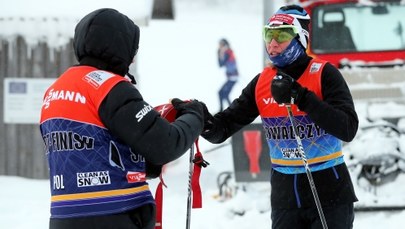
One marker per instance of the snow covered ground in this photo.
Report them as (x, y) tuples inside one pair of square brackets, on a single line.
[(178, 59)]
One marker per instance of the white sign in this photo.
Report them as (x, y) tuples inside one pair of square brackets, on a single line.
[(23, 99)]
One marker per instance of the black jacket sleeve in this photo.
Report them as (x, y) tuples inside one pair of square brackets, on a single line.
[(133, 121), (240, 113), (335, 113)]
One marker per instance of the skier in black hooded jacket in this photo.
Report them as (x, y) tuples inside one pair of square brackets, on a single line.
[(102, 139), (324, 115)]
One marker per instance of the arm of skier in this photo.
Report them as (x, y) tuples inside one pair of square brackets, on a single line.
[(135, 122), (335, 113), (240, 113)]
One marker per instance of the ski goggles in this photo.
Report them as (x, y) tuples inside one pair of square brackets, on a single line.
[(280, 34)]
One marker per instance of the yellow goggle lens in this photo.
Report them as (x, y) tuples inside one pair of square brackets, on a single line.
[(279, 35)]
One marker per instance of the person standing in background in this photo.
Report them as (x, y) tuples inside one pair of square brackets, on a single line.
[(226, 58)]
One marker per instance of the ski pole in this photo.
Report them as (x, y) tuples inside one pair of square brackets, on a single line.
[(217, 147), (307, 169), (190, 175)]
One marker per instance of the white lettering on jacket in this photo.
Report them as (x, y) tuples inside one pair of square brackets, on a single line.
[(87, 179), (269, 100), (71, 96), (142, 113)]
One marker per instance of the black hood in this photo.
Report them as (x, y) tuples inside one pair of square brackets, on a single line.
[(107, 40)]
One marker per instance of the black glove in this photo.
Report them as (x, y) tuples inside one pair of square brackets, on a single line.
[(152, 170), (207, 118), (286, 90), (188, 107)]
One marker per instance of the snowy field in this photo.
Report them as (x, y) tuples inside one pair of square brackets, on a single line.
[(178, 59)]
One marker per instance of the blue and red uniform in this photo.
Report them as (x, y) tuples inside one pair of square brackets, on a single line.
[(325, 116), (227, 59), (91, 171), (322, 149)]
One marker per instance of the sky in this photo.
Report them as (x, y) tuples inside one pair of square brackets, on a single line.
[(178, 59)]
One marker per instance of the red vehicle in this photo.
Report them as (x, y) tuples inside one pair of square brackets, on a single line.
[(365, 39)]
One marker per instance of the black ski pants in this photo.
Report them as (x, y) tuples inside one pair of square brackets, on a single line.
[(139, 218), (337, 217)]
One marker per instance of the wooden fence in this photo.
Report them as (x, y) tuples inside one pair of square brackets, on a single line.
[(21, 147)]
